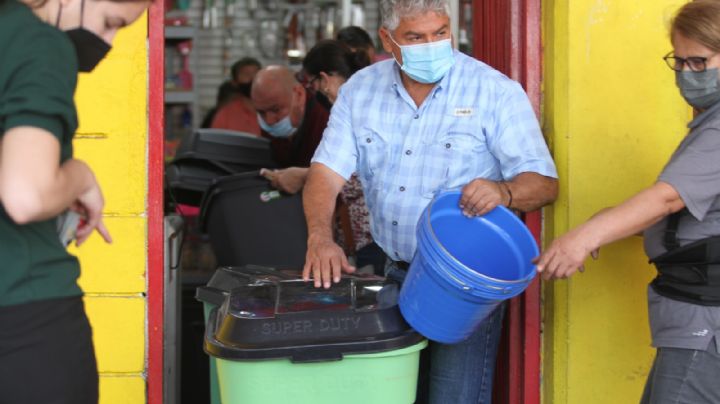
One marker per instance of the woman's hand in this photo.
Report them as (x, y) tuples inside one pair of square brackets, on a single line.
[(90, 205), (565, 256)]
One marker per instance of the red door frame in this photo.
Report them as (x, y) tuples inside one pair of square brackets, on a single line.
[(155, 258), (507, 35)]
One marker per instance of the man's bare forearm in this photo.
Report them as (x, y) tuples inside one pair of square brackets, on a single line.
[(319, 195), (532, 191)]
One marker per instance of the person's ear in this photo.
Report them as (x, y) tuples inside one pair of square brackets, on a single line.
[(300, 92), (324, 80), (387, 43)]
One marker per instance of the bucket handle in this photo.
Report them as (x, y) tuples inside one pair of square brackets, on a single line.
[(468, 288), (502, 290)]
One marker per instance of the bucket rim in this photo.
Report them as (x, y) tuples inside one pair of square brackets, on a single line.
[(466, 270)]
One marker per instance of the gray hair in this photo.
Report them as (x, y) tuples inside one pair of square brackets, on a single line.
[(393, 11)]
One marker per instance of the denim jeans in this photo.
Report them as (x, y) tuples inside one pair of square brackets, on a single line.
[(461, 373), (684, 376)]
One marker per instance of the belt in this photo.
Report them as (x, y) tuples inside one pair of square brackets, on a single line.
[(401, 265)]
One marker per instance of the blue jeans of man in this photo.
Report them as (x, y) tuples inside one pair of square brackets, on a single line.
[(461, 373)]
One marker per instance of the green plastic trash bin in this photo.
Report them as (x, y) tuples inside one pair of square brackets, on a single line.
[(277, 339), (218, 288)]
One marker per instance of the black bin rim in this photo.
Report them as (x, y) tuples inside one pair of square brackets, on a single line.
[(305, 353)]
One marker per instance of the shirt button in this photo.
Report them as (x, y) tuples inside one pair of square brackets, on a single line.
[(402, 189), (368, 140), (448, 145), (408, 152), (395, 224), (416, 116)]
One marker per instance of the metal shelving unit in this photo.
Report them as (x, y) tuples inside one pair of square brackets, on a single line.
[(179, 97)]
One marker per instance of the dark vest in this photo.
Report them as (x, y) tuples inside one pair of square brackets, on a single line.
[(690, 273)]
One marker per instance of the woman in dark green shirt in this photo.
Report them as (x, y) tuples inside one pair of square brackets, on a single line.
[(46, 351)]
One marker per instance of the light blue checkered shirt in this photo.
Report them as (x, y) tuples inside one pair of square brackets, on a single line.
[(476, 123)]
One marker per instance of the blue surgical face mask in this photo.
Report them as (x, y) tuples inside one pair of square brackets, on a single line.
[(280, 129), (700, 89), (427, 62)]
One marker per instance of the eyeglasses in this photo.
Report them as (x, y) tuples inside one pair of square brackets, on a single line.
[(313, 80), (697, 64)]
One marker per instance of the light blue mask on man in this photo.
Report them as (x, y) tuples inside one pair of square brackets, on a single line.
[(427, 62), (280, 129)]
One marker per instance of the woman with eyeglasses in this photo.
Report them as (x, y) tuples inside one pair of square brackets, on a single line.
[(330, 63), (679, 217), (47, 197)]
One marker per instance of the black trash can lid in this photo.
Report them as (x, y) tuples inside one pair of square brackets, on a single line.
[(226, 279), (220, 145), (268, 314)]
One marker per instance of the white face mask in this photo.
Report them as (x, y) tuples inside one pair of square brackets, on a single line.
[(427, 62)]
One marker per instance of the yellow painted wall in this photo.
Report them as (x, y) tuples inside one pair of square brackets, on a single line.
[(112, 138), (613, 116)]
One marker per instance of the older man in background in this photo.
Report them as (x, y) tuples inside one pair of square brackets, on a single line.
[(294, 121)]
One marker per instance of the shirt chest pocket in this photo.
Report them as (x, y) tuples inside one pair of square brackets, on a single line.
[(373, 153), (451, 161)]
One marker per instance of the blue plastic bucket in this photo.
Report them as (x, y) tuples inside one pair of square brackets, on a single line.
[(463, 268)]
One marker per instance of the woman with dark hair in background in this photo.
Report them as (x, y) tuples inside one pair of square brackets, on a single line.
[(46, 348), (330, 64), (225, 94), (234, 110), (242, 74), (357, 39)]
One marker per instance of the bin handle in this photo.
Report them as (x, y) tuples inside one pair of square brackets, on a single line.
[(316, 355), (174, 248)]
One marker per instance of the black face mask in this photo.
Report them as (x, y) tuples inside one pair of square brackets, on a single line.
[(244, 89), (323, 100), (89, 47)]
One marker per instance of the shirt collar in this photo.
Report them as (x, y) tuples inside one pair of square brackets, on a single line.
[(704, 116)]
